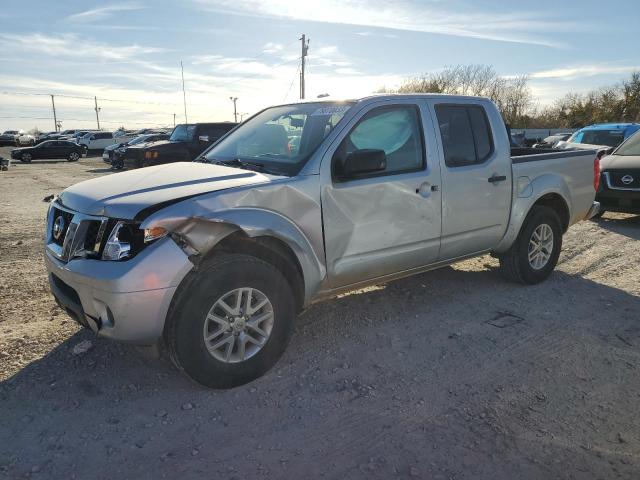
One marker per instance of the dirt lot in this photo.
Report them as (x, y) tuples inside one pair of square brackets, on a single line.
[(454, 374)]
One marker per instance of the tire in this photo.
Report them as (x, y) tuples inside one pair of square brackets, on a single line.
[(25, 158), (515, 264), (188, 321), (73, 157)]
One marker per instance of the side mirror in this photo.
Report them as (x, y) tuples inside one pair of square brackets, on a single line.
[(360, 162), (203, 138)]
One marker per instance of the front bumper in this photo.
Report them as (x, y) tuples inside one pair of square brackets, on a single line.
[(127, 301), (619, 200), (593, 211)]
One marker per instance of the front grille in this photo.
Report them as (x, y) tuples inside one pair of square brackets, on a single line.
[(71, 234), (59, 228), (629, 178), (91, 236)]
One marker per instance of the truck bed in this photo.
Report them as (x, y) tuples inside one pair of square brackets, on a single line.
[(533, 166)]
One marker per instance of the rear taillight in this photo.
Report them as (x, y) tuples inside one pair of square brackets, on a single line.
[(596, 171)]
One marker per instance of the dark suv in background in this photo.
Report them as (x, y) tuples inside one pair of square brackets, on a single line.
[(619, 189), (187, 142)]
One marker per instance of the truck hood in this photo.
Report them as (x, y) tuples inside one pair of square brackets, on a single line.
[(620, 162), (124, 195)]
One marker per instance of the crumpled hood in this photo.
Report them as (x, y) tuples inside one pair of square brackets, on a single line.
[(123, 195), (620, 162)]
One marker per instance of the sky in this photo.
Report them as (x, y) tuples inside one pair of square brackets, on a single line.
[(128, 53)]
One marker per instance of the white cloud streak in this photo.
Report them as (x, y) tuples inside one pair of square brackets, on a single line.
[(100, 13), (525, 28), (580, 71)]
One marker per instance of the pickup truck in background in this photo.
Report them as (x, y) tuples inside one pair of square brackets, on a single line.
[(300, 203), (186, 142)]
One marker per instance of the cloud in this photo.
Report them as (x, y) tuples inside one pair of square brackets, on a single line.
[(429, 17), (71, 45), (101, 13), (571, 73), (272, 47)]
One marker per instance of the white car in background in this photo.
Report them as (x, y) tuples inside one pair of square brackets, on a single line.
[(26, 139), (101, 140)]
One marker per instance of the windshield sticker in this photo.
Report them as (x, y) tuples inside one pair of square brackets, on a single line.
[(325, 111)]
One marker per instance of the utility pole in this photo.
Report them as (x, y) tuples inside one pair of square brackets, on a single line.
[(305, 51), (235, 111), (174, 120), (55, 119), (97, 110), (184, 94)]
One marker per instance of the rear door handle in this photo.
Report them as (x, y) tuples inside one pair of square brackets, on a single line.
[(496, 178)]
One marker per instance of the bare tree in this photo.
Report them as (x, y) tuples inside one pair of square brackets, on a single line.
[(512, 95)]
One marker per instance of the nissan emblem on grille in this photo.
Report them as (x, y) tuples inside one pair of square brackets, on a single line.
[(627, 179), (58, 227)]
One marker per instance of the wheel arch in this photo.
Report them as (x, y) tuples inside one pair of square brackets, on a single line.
[(553, 195)]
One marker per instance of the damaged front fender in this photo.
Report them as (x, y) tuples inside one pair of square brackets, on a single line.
[(198, 235)]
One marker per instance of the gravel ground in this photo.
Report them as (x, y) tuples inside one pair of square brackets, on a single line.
[(453, 374)]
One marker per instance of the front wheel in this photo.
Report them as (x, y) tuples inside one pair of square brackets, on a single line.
[(25, 158), (231, 322), (535, 252), (73, 157)]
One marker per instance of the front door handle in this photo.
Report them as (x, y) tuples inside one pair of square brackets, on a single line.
[(495, 178), (425, 189)]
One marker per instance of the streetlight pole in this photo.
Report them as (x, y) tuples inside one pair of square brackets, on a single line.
[(235, 110)]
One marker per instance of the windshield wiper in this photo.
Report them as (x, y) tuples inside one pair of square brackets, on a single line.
[(236, 162)]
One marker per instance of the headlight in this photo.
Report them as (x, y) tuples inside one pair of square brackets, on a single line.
[(127, 239)]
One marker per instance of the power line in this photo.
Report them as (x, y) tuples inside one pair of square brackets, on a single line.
[(77, 97), (5, 117), (295, 75)]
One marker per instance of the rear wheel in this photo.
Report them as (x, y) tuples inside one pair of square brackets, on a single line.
[(73, 157), (534, 254), (231, 321), (25, 157)]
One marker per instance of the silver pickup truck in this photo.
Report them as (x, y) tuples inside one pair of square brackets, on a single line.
[(215, 258)]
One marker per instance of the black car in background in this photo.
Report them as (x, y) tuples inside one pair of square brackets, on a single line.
[(187, 142), (619, 189), (113, 154), (49, 149)]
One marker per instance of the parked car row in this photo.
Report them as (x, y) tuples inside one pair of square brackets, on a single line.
[(186, 143)]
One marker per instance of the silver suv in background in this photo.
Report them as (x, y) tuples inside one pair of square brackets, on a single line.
[(299, 203)]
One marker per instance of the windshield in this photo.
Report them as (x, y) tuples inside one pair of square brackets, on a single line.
[(610, 138), (280, 138), (183, 133), (140, 139), (630, 147)]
